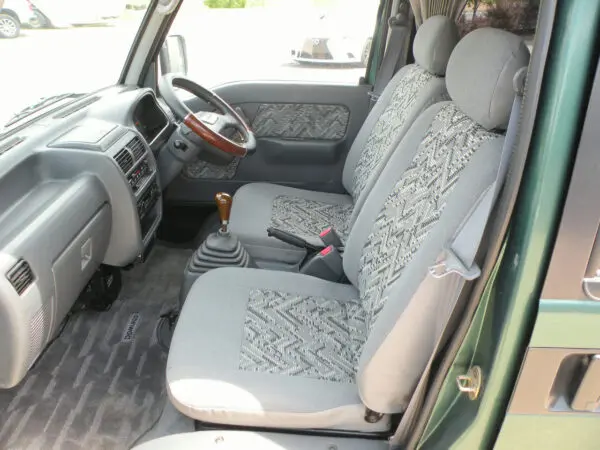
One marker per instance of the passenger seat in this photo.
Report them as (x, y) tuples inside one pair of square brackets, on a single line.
[(260, 348), (258, 206)]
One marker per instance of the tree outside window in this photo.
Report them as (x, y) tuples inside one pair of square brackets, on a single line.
[(516, 16)]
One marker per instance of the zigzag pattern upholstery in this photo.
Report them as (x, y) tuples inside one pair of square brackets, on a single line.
[(416, 203), (387, 129), (306, 213), (307, 218), (281, 328), (301, 121), (279, 349), (295, 335)]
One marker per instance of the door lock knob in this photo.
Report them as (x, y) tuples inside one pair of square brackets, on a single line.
[(471, 383)]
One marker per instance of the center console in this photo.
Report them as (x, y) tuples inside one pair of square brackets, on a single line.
[(138, 166)]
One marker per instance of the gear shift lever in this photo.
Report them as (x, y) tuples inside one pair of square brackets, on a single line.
[(220, 249), (224, 202)]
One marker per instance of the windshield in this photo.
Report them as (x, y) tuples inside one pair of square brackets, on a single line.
[(54, 47)]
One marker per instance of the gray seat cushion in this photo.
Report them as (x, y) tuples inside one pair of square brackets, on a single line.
[(245, 440), (264, 348)]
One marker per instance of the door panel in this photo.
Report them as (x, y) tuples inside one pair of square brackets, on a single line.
[(556, 400), (304, 132)]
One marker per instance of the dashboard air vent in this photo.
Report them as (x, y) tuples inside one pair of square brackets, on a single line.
[(137, 148), (124, 160), (20, 276)]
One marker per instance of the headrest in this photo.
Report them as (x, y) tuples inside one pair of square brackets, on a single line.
[(480, 75), (434, 42)]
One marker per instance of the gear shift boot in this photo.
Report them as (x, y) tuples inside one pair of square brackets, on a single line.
[(220, 249)]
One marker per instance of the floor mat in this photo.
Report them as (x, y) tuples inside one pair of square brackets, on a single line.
[(100, 385)]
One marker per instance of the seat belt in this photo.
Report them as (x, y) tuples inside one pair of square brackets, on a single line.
[(457, 265), (398, 26)]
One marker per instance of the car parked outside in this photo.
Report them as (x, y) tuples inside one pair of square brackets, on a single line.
[(65, 13), (14, 14), (337, 36)]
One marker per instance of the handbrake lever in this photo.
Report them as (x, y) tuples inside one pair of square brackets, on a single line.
[(292, 239)]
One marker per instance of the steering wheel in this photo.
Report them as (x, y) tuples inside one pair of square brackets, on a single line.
[(207, 125)]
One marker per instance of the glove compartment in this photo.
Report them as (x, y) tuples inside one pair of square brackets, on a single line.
[(56, 232)]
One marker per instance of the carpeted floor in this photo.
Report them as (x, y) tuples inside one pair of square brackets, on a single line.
[(100, 385)]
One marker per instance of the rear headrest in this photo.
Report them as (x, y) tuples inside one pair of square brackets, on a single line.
[(433, 44), (480, 75)]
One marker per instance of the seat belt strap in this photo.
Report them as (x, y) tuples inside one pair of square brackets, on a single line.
[(460, 254), (398, 26), (457, 263)]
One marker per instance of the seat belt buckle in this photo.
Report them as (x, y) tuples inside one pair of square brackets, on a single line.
[(331, 237), (326, 264), (453, 264)]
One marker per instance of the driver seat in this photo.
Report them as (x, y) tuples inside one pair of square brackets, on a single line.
[(305, 213)]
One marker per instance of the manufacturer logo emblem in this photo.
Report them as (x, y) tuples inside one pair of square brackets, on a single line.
[(130, 329)]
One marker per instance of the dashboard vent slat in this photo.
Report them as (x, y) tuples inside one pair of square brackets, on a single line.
[(124, 160), (10, 144), (20, 276), (77, 107), (137, 148)]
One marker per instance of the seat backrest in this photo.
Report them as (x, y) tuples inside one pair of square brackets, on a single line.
[(409, 92), (442, 167)]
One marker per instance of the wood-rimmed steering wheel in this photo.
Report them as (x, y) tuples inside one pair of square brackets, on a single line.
[(207, 125)]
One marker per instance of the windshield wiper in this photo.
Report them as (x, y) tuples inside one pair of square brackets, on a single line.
[(43, 103)]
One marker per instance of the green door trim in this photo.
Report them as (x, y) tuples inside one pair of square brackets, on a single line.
[(535, 221)]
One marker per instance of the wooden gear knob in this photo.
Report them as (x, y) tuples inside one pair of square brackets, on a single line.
[(224, 202)]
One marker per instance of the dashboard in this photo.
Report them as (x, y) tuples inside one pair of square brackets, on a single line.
[(81, 186)]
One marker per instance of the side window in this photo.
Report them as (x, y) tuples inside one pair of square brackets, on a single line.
[(276, 40), (516, 16)]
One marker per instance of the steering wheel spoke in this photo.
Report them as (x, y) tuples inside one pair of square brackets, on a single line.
[(210, 126), (216, 139)]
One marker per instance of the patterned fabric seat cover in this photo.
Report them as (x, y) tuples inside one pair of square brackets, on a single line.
[(277, 349), (306, 213)]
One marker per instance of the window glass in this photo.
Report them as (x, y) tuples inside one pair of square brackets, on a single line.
[(291, 40), (516, 16), (54, 47)]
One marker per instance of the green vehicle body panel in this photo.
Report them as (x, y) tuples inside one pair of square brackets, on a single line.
[(567, 324), (501, 326), (549, 432)]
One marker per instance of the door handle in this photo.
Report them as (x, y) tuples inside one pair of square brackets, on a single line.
[(587, 395), (591, 286)]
